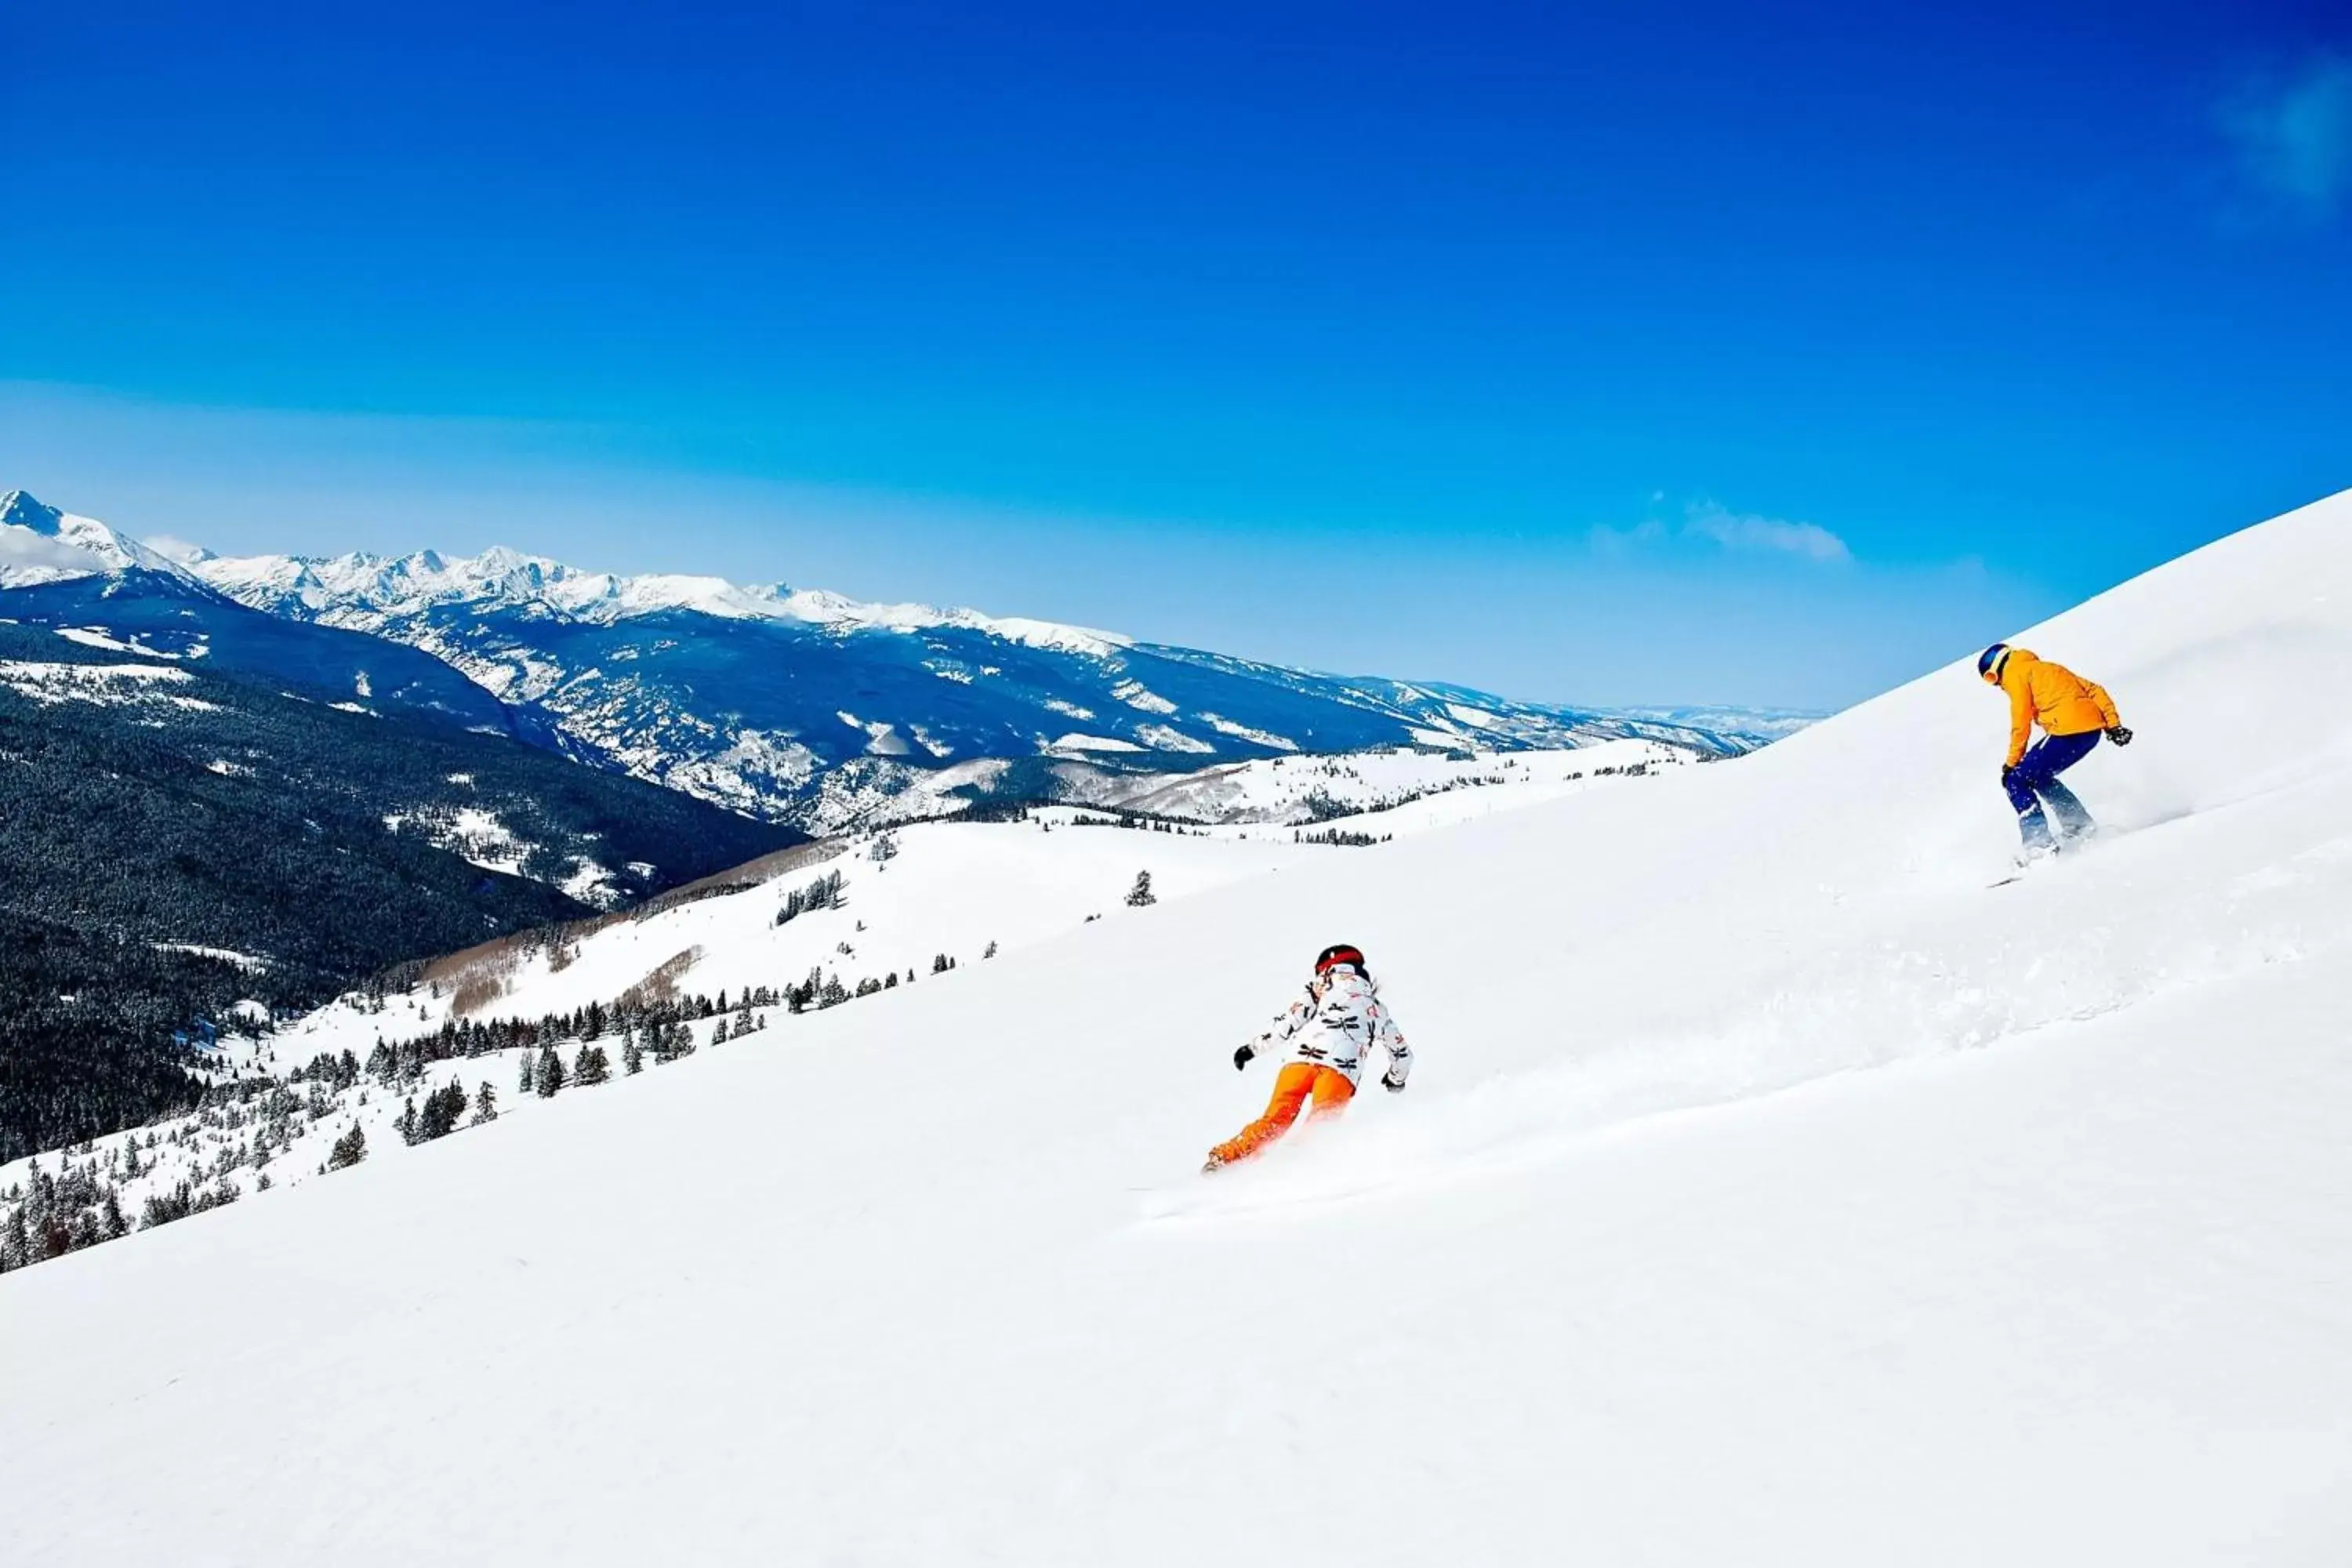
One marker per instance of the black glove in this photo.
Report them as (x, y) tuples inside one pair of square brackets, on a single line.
[(1393, 1084), (2007, 772), (1242, 1056), (2119, 735)]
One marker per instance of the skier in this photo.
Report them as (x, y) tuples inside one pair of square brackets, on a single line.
[(1328, 1031), (2074, 713)]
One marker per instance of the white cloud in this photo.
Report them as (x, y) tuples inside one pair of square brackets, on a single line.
[(2294, 135), (1746, 530), (175, 549), (1607, 541)]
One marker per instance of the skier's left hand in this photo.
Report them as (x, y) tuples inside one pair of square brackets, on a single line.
[(1242, 1056), (2120, 735), (2007, 772)]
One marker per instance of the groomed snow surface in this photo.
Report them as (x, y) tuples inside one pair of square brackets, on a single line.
[(927, 1277)]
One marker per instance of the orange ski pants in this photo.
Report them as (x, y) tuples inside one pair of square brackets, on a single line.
[(1293, 1086)]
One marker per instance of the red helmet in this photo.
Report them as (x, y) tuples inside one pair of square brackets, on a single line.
[(1339, 954)]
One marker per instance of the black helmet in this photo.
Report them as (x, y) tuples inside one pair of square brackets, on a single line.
[(1337, 953)]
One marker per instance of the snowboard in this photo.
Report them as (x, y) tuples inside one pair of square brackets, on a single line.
[(2067, 849)]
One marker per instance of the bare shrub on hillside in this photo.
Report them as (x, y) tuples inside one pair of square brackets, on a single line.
[(476, 993), (499, 956), (751, 874), (661, 985)]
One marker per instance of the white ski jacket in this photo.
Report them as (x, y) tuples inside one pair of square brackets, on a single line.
[(1339, 1019)]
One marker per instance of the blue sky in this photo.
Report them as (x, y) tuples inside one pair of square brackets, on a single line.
[(1608, 352)]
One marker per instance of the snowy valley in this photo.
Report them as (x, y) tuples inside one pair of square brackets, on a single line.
[(1771, 1187)]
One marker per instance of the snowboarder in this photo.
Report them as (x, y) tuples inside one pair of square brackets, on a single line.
[(2074, 713), (1328, 1031)]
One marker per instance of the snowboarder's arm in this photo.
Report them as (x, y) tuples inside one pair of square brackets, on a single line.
[(2106, 705), (1283, 1029), (2020, 722), (1391, 1040)]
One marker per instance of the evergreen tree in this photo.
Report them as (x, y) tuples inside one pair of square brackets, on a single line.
[(166, 1208), (443, 1108), (485, 1104), (349, 1150), (550, 1072), (1140, 895), (633, 1055), (16, 1241), (592, 1067)]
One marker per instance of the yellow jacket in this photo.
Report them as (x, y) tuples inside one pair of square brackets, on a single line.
[(2054, 696)]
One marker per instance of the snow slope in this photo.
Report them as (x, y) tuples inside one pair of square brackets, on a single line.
[(1397, 780), (947, 887), (101, 685), (962, 889), (926, 1278)]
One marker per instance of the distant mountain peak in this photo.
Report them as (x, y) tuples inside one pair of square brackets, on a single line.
[(19, 509), (40, 543)]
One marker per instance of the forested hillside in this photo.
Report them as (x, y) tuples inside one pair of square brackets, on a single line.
[(177, 841)]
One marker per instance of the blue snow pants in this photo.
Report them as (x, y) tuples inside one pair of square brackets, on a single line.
[(2033, 783)]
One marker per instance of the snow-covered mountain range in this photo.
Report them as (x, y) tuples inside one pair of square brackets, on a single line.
[(798, 705), (372, 593)]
